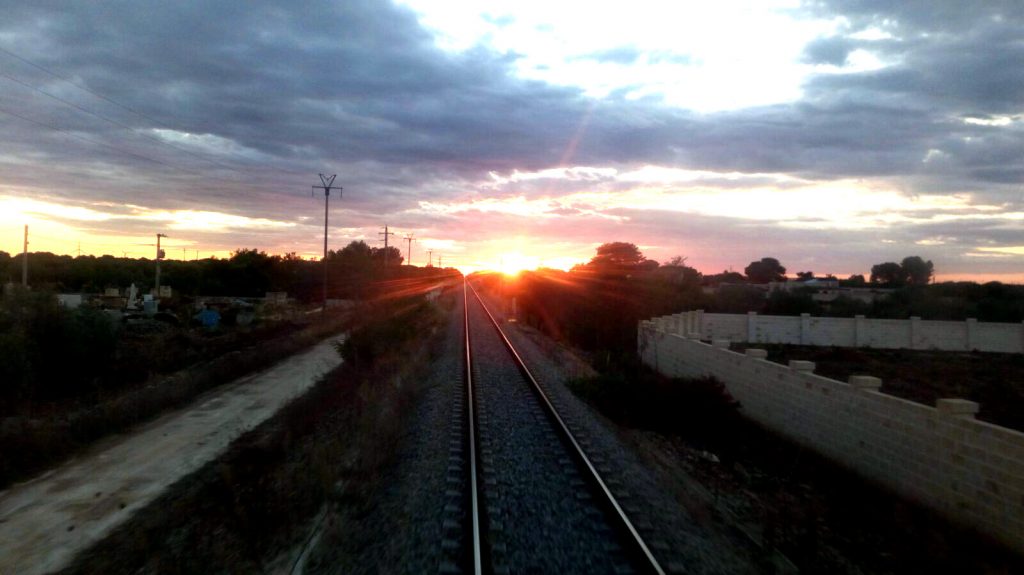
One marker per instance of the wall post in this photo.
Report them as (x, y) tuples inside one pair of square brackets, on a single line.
[(805, 329), (972, 334), (801, 365), (865, 382), (860, 335), (752, 326), (915, 332), (957, 407)]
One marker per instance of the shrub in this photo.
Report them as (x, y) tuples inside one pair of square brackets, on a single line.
[(386, 326), (50, 353), (699, 409)]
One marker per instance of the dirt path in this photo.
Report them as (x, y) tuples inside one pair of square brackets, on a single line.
[(47, 520)]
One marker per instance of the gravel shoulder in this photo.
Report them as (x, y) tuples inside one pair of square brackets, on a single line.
[(395, 521), (46, 521)]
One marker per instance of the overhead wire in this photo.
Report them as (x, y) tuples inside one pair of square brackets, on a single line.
[(115, 148), (132, 130), (125, 248), (123, 107), (85, 138)]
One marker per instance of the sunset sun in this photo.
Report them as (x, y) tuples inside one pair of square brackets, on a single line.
[(511, 264)]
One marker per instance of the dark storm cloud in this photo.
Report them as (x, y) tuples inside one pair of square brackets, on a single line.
[(363, 82)]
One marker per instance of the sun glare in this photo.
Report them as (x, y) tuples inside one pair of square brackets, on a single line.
[(513, 263)]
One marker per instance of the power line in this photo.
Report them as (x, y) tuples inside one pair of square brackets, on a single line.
[(327, 184), (90, 140), (119, 105), (386, 234), (127, 128), (115, 148), (117, 123), (408, 248)]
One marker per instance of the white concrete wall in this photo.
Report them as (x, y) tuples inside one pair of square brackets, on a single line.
[(939, 456), (910, 333)]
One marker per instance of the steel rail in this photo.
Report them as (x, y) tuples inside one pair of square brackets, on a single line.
[(619, 514), (471, 408)]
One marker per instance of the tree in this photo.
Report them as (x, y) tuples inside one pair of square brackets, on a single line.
[(390, 256), (356, 256), (916, 271), (856, 280), (764, 271), (617, 254), (677, 261), (676, 272), (619, 258), (888, 273), (804, 276), (726, 277)]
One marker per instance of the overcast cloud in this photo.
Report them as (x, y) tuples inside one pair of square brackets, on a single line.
[(237, 106)]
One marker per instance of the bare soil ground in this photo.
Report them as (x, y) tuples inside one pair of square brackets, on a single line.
[(995, 380)]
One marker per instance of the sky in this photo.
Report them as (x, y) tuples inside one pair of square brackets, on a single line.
[(831, 135)]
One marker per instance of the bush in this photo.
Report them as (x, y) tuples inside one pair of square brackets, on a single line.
[(50, 353), (386, 326), (699, 409)]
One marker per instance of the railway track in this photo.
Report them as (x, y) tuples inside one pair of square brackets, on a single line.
[(532, 499)]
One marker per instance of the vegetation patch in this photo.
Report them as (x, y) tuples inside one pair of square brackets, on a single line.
[(699, 409), (334, 443), (51, 432)]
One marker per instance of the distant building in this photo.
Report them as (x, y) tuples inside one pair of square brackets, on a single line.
[(724, 287), (69, 300), (827, 290), (276, 297), (814, 283)]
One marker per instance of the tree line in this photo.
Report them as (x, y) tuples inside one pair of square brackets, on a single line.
[(598, 305), (246, 273)]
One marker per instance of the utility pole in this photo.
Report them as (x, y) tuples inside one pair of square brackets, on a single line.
[(24, 260), (430, 258), (327, 184), (439, 256), (79, 249), (386, 233), (159, 256), (408, 249)]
